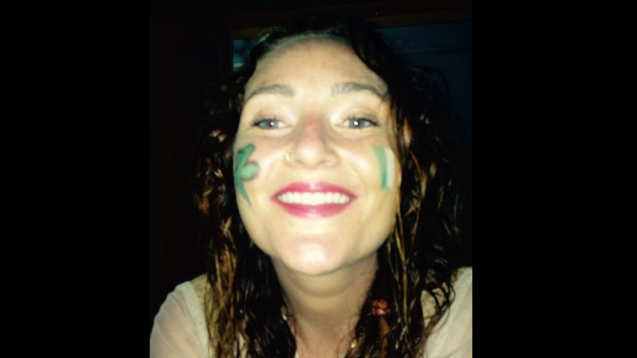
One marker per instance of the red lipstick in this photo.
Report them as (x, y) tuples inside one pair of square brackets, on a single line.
[(313, 200)]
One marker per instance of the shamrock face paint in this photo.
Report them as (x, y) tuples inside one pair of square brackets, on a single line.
[(387, 165), (244, 170)]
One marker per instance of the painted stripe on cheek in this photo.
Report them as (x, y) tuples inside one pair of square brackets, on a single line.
[(391, 167), (387, 165)]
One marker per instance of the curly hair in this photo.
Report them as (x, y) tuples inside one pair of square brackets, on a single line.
[(243, 306)]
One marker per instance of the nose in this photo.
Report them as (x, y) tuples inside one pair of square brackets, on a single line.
[(312, 147)]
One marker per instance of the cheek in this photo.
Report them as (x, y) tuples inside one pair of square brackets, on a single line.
[(269, 155), (244, 169), (386, 166), (254, 164)]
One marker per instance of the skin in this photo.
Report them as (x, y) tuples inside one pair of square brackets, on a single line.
[(315, 99)]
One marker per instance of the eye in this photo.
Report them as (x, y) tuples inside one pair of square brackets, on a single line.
[(359, 122), (267, 123)]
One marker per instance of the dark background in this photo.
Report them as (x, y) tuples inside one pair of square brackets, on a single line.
[(191, 46)]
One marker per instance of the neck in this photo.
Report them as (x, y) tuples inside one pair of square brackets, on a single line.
[(324, 309)]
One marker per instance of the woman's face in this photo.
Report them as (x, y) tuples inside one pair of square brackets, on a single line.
[(315, 169)]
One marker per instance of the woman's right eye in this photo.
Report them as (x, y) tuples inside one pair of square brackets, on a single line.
[(267, 123)]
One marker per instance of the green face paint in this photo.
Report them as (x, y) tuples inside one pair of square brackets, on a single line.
[(386, 162), (244, 170)]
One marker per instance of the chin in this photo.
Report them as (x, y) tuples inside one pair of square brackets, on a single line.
[(311, 259), (312, 269)]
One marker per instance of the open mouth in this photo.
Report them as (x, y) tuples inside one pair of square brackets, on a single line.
[(313, 200)]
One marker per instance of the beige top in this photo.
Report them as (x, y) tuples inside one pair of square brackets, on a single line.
[(179, 330)]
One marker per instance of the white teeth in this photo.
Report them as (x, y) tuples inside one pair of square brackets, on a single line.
[(313, 199)]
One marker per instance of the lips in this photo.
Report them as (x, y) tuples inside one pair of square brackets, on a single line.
[(313, 200)]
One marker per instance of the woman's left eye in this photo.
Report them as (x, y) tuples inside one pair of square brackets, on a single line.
[(359, 122)]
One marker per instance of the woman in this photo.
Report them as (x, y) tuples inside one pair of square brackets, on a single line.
[(338, 238)]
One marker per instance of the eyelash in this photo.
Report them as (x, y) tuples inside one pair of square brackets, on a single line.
[(358, 120), (267, 123), (356, 123)]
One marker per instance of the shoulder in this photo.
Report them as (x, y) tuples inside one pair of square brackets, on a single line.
[(201, 287), (453, 335), (463, 282), (179, 328)]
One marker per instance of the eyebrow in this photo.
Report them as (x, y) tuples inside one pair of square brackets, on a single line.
[(348, 87), (339, 88), (284, 90)]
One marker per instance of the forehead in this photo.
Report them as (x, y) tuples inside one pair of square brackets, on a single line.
[(314, 59)]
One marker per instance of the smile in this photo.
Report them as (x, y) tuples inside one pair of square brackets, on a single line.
[(313, 200)]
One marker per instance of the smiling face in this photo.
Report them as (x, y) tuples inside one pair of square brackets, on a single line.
[(317, 178)]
